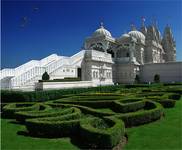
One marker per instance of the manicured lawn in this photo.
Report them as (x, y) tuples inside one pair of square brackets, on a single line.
[(10, 140), (165, 134)]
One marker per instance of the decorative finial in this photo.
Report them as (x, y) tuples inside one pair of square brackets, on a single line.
[(154, 21), (133, 28), (102, 25), (143, 21)]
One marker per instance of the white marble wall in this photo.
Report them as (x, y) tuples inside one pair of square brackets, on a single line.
[(169, 72), (63, 85), (97, 67), (125, 73)]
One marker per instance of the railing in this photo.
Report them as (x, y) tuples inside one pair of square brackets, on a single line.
[(27, 66), (75, 58), (23, 78), (29, 75), (7, 72), (35, 73)]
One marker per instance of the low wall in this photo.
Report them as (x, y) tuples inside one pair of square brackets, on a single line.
[(63, 85), (169, 72)]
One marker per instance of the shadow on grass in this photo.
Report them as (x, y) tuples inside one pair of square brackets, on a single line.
[(27, 134), (75, 139), (16, 122)]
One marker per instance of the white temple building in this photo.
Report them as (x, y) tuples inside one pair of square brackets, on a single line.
[(104, 60)]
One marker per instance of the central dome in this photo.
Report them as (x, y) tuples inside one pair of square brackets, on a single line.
[(101, 32), (137, 34)]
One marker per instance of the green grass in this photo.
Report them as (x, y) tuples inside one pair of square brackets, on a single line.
[(165, 134), (10, 140), (160, 135)]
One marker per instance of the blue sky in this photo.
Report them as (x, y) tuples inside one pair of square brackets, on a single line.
[(34, 30)]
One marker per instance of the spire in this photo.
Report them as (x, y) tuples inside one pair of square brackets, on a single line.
[(154, 22), (169, 45), (143, 21), (143, 28)]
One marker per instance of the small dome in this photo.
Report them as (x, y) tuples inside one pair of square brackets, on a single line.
[(137, 34), (101, 31), (124, 36)]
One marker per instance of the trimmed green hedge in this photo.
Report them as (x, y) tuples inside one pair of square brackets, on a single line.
[(145, 94), (19, 96), (10, 109), (174, 96), (92, 104), (120, 107), (167, 103), (102, 137), (175, 90), (64, 125), (172, 84), (153, 111), (164, 101), (92, 97), (84, 109), (47, 112)]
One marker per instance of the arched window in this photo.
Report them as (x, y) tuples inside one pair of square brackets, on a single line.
[(127, 54)]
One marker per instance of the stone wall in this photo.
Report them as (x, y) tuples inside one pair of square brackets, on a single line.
[(125, 73), (63, 85), (169, 72)]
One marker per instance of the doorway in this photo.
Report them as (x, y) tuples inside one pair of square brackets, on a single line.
[(79, 73)]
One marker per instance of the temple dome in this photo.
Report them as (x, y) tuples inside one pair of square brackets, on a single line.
[(124, 36), (137, 34), (101, 32)]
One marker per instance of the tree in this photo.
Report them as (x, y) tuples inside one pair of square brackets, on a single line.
[(137, 79), (45, 76), (157, 78)]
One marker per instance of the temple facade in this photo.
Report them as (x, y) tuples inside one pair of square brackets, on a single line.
[(105, 60)]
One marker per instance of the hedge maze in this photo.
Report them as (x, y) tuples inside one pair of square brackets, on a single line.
[(98, 120)]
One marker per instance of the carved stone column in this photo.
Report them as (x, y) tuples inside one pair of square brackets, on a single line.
[(131, 50)]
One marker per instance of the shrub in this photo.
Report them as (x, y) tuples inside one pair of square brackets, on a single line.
[(84, 109), (172, 84), (137, 79), (19, 96), (92, 104), (167, 103), (153, 111), (136, 85), (10, 109), (120, 107), (48, 112), (157, 78), (175, 90), (150, 94), (55, 126), (102, 137), (174, 96), (45, 76)]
